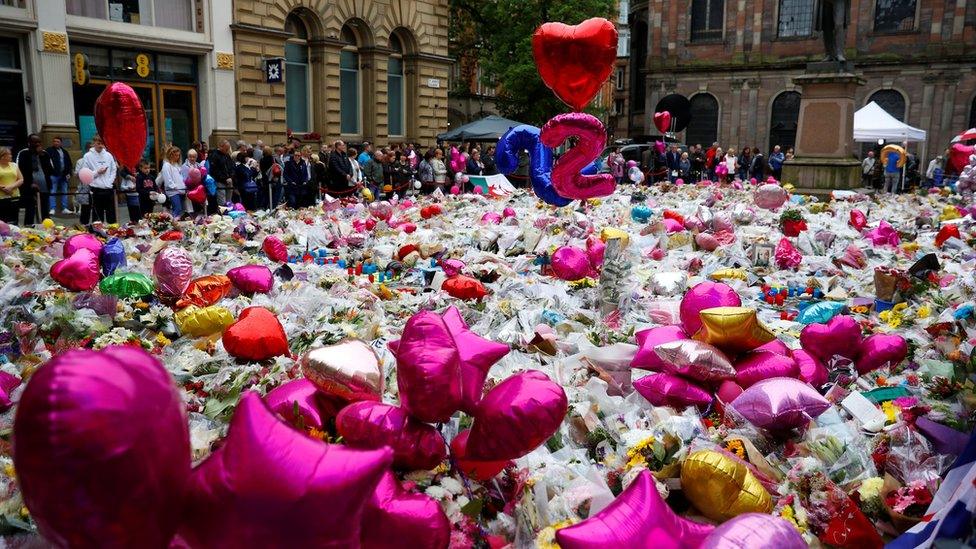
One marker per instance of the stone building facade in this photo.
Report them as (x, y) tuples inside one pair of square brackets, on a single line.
[(356, 70), (736, 60)]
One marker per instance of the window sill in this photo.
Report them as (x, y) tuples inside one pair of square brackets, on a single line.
[(705, 42), (814, 36), (882, 34)]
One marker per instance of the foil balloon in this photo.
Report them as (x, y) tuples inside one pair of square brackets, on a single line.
[(349, 370), (491, 218), (121, 122), (508, 212), (812, 370), (479, 470), (452, 267), (662, 121), (671, 390), (755, 531), (858, 220), (395, 517), (722, 487), (373, 425), (770, 196), (647, 340), (173, 270), (592, 137), (575, 60), (428, 369), (83, 240), (457, 160), (464, 287), (609, 233), (477, 356), (252, 279), (571, 263), (756, 366), (196, 321), (268, 484), (275, 249), (841, 336), (78, 273), (381, 210), (695, 359), (733, 329), (640, 213), (819, 313), (526, 138), (669, 283), (880, 350), (127, 285), (103, 449), (302, 405), (517, 416), (257, 335), (673, 226), (883, 235), (776, 347), (780, 404), (638, 517), (786, 255), (705, 295), (595, 249), (197, 195), (8, 382), (707, 242), (205, 291), (112, 256)]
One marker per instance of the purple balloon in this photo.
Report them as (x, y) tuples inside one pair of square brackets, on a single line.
[(251, 279), (173, 270), (880, 350), (756, 366), (372, 425), (647, 340), (705, 296), (672, 390), (79, 241), (755, 531), (268, 485), (477, 356), (314, 408), (839, 336), (428, 369), (639, 517), (780, 404), (102, 449), (395, 517), (571, 263), (516, 416)]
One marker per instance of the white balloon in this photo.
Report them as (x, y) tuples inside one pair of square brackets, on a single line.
[(418, 185)]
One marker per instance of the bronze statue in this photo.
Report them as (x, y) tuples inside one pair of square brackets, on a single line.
[(833, 21)]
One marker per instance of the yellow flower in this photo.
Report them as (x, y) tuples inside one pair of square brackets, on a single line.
[(871, 488), (547, 536), (635, 455), (8, 470), (924, 311), (900, 307), (890, 411), (162, 340)]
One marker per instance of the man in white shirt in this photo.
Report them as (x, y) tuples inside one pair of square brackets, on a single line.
[(102, 163)]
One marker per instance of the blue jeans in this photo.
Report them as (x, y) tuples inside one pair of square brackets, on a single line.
[(176, 204), (59, 184)]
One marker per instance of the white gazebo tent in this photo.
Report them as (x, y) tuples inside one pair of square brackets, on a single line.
[(872, 123)]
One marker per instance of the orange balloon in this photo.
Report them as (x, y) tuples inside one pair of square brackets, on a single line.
[(205, 291), (733, 329)]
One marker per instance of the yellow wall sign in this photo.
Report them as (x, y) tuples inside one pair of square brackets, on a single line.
[(80, 63), (142, 65)]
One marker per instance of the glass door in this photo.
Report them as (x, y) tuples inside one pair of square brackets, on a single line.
[(179, 115)]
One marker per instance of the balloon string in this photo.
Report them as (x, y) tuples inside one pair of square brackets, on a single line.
[(467, 487)]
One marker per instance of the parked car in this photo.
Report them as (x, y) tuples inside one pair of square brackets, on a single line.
[(634, 151)]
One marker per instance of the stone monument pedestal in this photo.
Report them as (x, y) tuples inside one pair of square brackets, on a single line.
[(825, 158)]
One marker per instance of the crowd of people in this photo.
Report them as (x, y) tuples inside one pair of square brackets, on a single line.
[(257, 176), (671, 162)]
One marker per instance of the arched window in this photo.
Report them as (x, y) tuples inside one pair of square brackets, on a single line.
[(297, 77), (892, 101), (395, 84), (783, 120), (703, 126), (350, 85)]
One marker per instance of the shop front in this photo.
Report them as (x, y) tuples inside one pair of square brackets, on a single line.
[(13, 100), (166, 83)]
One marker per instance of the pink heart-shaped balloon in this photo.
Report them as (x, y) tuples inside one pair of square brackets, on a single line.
[(756, 366), (395, 517), (428, 369), (811, 369), (84, 240), (648, 339), (197, 195), (571, 263), (79, 273), (595, 249), (879, 350), (516, 416), (705, 295), (840, 336), (251, 279), (275, 249), (672, 390), (372, 425)]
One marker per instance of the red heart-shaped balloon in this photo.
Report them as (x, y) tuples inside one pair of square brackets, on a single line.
[(478, 470), (257, 335), (78, 272), (959, 157), (121, 122), (373, 425), (275, 249), (575, 60), (197, 195), (662, 121)]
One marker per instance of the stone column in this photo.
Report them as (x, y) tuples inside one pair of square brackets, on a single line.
[(218, 88), (51, 77), (733, 129), (752, 127), (825, 134)]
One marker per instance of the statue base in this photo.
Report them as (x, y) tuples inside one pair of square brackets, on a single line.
[(825, 131)]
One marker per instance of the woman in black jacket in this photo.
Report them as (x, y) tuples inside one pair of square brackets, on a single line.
[(320, 179)]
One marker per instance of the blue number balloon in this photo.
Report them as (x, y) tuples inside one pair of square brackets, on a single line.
[(526, 137)]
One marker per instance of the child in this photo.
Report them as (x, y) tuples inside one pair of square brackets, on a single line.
[(130, 187), (145, 187)]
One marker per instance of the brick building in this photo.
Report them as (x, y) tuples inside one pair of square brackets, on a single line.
[(735, 61), (352, 69)]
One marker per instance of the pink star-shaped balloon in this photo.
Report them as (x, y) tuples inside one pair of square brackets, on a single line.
[(477, 354), (271, 486), (639, 517)]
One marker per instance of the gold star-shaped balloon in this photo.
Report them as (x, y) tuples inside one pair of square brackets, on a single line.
[(733, 329), (722, 487)]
